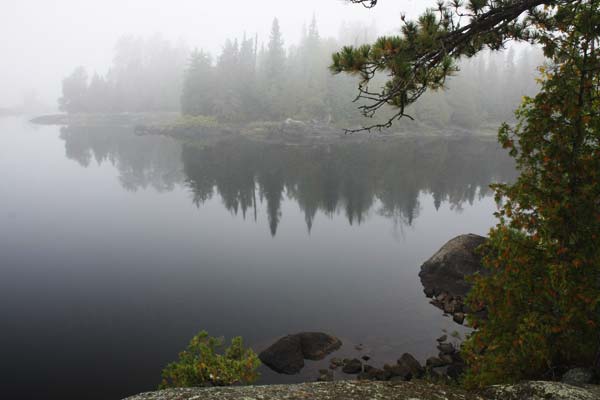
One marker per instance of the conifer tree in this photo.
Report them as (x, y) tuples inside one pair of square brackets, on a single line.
[(248, 85), (198, 91), (228, 101), (75, 95), (275, 57), (274, 69)]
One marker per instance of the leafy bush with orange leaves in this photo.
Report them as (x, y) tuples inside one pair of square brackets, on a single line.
[(543, 296)]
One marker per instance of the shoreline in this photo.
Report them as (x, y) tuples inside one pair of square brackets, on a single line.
[(173, 124)]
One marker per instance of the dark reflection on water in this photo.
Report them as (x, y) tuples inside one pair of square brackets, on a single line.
[(347, 177), (107, 271), (142, 162), (350, 177)]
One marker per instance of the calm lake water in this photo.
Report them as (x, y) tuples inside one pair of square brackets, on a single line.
[(116, 249)]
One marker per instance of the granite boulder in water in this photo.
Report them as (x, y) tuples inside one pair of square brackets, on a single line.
[(447, 270), (287, 355)]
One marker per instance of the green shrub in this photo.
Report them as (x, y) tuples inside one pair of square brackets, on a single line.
[(201, 364)]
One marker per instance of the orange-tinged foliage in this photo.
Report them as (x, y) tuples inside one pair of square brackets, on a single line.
[(542, 297)]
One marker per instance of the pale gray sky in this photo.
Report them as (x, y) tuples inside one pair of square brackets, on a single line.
[(43, 40)]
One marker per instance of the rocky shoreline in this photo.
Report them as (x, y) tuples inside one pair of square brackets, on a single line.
[(367, 390), (291, 131), (446, 367), (444, 277)]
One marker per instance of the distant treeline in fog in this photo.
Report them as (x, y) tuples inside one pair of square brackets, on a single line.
[(252, 80)]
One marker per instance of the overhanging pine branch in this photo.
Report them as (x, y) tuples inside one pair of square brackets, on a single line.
[(459, 41)]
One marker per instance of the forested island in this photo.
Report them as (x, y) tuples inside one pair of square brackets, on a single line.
[(258, 82)]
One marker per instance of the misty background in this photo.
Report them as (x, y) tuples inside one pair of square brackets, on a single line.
[(218, 60), (46, 39)]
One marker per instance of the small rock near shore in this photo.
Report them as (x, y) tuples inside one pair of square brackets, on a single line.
[(434, 362), (352, 367), (335, 363), (446, 348), (399, 370), (412, 364), (325, 375), (459, 318), (446, 359), (373, 374)]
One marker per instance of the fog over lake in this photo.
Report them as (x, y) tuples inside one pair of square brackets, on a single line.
[(115, 249), (170, 168)]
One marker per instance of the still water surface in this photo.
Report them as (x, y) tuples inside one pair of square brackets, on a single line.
[(116, 249)]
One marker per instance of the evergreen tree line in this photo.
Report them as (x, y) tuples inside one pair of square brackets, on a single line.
[(272, 82), (269, 81)]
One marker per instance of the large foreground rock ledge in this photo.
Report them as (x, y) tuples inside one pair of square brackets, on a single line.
[(541, 390), (367, 390), (341, 390)]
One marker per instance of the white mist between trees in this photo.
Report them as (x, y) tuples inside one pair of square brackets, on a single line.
[(254, 81)]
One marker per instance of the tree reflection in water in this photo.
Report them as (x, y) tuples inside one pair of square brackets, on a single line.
[(386, 176)]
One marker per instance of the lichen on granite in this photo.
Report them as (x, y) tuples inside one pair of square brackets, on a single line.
[(340, 390), (541, 390), (369, 390)]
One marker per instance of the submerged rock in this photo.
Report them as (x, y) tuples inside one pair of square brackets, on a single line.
[(287, 355), (353, 366), (325, 375), (284, 356), (445, 272), (316, 345)]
